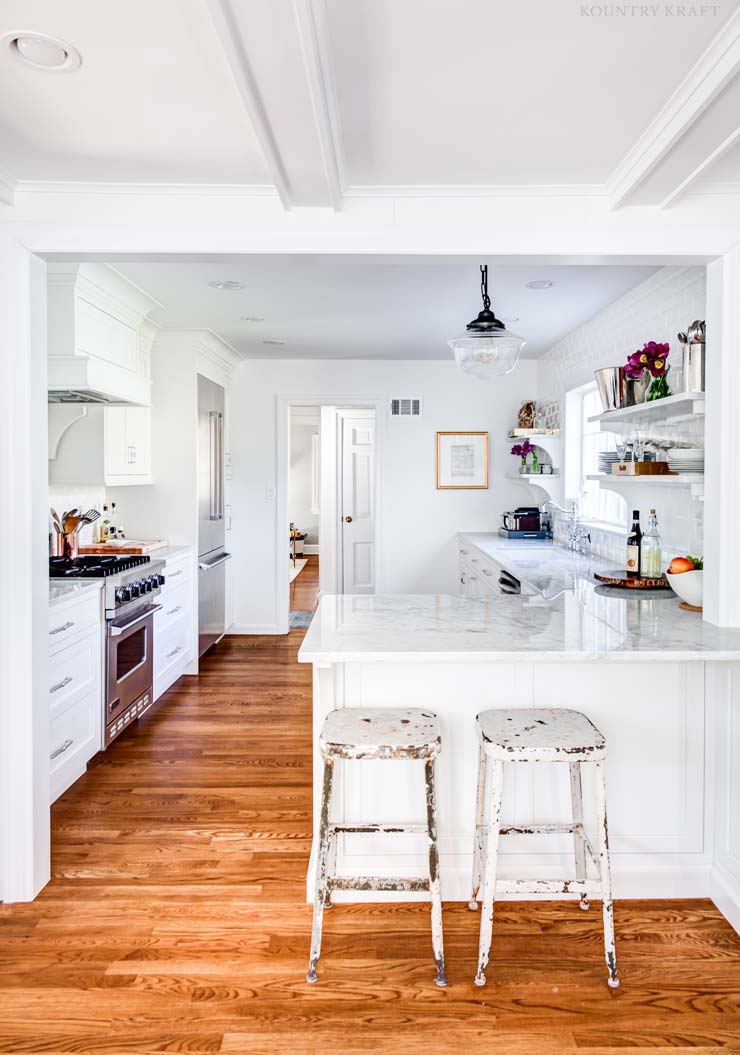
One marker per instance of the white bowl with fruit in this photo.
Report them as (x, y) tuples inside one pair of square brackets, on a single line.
[(685, 576)]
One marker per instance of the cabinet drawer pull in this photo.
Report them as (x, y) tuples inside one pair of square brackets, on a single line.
[(172, 574), (61, 749), (474, 560), (174, 652), (464, 552), (61, 684), (487, 571), (59, 629), (177, 608)]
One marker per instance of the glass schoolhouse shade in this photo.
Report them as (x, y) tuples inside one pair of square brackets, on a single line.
[(486, 349)]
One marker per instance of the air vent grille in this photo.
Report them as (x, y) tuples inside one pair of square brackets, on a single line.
[(405, 408)]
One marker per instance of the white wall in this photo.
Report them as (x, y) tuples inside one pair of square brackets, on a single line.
[(300, 482), (657, 309), (418, 523)]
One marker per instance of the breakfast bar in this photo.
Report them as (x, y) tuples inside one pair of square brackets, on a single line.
[(656, 680)]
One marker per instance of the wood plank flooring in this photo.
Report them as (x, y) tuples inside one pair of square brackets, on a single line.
[(176, 921), (304, 590)]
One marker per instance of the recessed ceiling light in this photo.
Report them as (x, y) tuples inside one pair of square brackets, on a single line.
[(252, 318), (41, 51), (274, 340), (540, 283), (227, 284)]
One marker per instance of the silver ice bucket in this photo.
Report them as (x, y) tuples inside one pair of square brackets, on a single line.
[(612, 385)]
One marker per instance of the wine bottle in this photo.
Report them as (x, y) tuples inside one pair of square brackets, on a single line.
[(634, 540), (651, 550)]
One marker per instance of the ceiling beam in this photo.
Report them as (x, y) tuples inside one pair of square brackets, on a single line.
[(707, 79), (236, 57), (8, 187), (313, 35)]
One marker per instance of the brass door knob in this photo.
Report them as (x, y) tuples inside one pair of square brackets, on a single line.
[(348, 520)]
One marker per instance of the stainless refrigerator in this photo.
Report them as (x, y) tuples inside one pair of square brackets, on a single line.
[(212, 558)]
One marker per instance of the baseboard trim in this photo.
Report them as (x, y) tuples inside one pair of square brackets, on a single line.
[(724, 891), (253, 629), (311, 549)]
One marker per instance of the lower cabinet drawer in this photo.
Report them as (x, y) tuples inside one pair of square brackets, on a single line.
[(176, 574), (72, 743), (70, 619), (175, 604), (74, 672), (172, 645)]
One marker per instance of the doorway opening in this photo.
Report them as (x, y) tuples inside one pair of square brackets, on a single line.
[(331, 503)]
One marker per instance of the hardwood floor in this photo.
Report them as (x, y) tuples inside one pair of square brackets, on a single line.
[(304, 590), (176, 920)]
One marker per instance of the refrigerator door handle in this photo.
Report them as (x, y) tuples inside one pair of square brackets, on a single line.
[(213, 467), (209, 565), (220, 466)]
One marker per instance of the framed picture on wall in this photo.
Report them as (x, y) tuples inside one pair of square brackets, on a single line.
[(462, 461)]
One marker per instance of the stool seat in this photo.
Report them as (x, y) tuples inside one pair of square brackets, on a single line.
[(543, 734), (380, 733)]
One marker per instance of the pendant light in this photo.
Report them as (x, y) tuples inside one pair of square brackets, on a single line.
[(486, 349)]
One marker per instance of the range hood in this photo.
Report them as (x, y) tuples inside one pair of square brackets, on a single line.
[(99, 337), (73, 395)]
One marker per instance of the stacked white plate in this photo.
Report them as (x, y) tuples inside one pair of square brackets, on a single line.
[(687, 459)]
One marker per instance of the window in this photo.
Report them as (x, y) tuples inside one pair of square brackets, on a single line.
[(585, 441)]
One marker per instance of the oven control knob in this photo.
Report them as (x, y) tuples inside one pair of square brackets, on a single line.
[(161, 580), (147, 585), (123, 594), (134, 589)]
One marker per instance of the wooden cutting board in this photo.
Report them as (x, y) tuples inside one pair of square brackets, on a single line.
[(115, 549), (626, 581)]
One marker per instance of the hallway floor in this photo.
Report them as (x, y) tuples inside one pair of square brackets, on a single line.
[(176, 920), (304, 590)]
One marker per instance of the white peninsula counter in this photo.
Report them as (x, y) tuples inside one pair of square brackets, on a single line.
[(655, 679)]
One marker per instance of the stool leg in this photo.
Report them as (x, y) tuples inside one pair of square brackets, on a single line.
[(478, 834), (489, 868), (434, 887), (579, 847), (321, 871), (606, 883)]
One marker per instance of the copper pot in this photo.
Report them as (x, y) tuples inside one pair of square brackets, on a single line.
[(56, 544)]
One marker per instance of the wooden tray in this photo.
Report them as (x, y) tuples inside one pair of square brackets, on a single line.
[(631, 582)]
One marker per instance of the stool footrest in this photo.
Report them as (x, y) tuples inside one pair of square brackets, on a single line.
[(548, 886), (537, 829), (388, 828), (377, 883)]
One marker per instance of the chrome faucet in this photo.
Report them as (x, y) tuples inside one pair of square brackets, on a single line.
[(579, 535)]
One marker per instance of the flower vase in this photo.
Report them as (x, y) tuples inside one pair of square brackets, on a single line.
[(535, 463), (659, 387), (523, 467)]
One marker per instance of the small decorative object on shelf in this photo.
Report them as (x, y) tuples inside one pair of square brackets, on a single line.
[(527, 414), (649, 362), (693, 341)]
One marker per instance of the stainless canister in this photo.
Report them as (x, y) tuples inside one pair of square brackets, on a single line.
[(612, 385), (693, 362)]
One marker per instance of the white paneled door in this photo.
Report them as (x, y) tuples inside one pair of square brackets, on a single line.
[(357, 501)]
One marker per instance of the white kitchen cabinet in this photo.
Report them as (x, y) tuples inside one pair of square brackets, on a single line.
[(174, 623), (107, 445), (127, 455), (76, 641)]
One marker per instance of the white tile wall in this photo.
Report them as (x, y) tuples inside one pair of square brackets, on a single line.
[(657, 310)]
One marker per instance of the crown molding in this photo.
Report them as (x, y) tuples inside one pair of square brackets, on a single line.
[(227, 190), (465, 190), (313, 35), (207, 342), (8, 187), (223, 20), (712, 72)]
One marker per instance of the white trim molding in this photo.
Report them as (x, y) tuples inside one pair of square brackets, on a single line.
[(709, 76), (8, 187)]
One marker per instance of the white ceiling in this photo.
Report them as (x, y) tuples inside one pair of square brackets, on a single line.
[(352, 308), (318, 100)]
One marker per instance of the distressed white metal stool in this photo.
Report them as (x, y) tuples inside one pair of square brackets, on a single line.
[(540, 735), (403, 734)]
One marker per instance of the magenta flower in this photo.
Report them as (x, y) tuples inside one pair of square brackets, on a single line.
[(651, 357)]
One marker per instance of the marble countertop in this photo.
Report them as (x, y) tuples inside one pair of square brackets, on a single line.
[(569, 618), (61, 590)]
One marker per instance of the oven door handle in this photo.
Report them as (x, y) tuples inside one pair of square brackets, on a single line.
[(116, 631)]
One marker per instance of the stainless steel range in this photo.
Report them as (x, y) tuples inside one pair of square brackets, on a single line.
[(132, 583)]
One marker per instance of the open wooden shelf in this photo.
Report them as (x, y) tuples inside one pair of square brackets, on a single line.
[(693, 480), (683, 407), (525, 434)]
